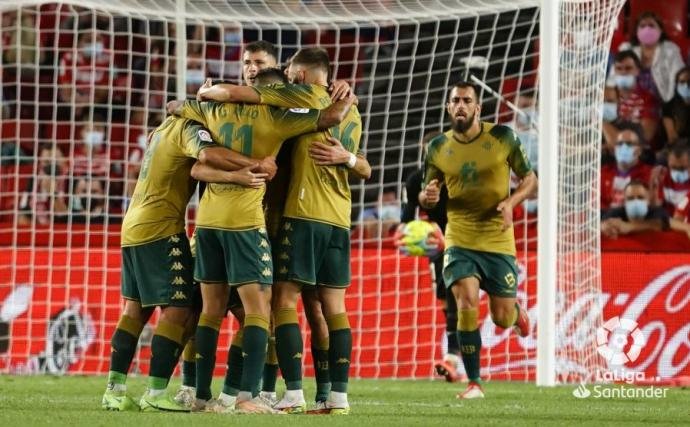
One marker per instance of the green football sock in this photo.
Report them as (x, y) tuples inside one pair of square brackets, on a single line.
[(124, 345), (289, 347), (254, 342), (319, 354), (470, 341), (166, 346), (270, 368), (339, 351), (206, 340), (233, 375), (189, 364)]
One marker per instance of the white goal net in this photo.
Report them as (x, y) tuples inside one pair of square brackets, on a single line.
[(83, 82)]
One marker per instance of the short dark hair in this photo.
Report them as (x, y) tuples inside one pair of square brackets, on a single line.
[(636, 128), (268, 76), (313, 57), (463, 84), (262, 46), (637, 183), (625, 54), (679, 148)]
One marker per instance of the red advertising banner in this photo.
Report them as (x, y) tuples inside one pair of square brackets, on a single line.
[(58, 309)]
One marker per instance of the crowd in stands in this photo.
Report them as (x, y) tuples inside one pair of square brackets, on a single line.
[(98, 84)]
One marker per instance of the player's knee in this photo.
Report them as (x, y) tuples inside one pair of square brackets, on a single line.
[(503, 317)]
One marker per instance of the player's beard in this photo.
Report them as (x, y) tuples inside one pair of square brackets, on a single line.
[(463, 126)]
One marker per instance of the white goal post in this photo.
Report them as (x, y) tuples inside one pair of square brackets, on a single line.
[(73, 70)]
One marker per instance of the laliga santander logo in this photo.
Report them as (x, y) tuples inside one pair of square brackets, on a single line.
[(612, 338)]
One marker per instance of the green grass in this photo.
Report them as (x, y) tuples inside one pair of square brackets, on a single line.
[(44, 400)]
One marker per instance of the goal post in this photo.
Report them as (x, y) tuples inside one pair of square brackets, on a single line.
[(84, 81)]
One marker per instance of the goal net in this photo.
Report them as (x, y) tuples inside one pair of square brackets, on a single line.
[(83, 82)]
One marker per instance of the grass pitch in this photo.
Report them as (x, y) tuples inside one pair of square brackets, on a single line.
[(45, 400)]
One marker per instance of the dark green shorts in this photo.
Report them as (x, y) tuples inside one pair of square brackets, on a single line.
[(159, 273), (312, 252), (233, 257), (497, 273)]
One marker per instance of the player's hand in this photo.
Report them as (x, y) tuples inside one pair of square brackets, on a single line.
[(339, 89), (202, 90), (268, 166), (249, 178), (506, 209), (329, 154), (432, 193)]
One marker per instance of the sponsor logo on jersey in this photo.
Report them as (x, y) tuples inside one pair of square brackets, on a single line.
[(204, 135), (299, 110), (174, 239), (177, 266)]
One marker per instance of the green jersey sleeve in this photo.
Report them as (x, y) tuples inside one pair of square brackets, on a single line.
[(295, 121), (194, 139), (194, 110), (517, 158), (431, 170), (287, 95)]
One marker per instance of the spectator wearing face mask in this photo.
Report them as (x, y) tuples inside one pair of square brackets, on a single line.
[(88, 201), (660, 58), (634, 104), (90, 157), (671, 183), (636, 215), (676, 112), (85, 77), (627, 168), (386, 212)]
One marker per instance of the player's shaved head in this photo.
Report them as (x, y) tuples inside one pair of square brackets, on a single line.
[(269, 76)]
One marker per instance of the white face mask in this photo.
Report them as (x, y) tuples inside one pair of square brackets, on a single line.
[(390, 212), (94, 138), (195, 77), (93, 49)]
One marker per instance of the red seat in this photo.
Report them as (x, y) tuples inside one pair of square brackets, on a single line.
[(14, 180), (23, 132)]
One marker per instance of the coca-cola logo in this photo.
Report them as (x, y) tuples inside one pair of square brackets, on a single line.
[(659, 308)]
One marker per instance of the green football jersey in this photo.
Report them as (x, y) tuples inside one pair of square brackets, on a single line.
[(256, 131), (477, 175), (164, 187), (317, 193)]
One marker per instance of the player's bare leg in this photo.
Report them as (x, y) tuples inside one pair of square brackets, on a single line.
[(124, 345), (289, 345), (466, 292), (319, 345), (507, 313)]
